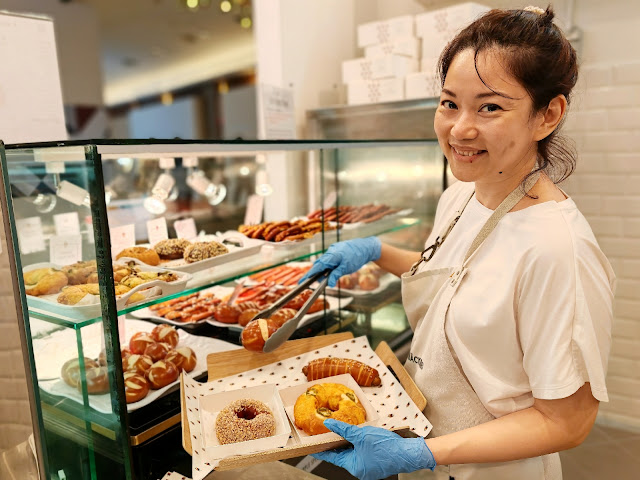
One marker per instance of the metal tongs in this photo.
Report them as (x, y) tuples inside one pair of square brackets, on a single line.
[(285, 331)]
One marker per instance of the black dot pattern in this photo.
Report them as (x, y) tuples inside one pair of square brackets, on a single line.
[(394, 408)]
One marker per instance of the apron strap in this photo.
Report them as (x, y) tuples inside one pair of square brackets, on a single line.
[(507, 204)]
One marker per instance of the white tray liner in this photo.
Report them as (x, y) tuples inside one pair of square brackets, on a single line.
[(288, 372)]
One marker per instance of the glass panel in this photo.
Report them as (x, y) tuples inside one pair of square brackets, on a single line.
[(50, 195)]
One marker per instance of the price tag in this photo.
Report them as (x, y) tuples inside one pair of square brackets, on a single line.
[(186, 228), (255, 205), (65, 249), (67, 223), (30, 235), (121, 238), (157, 230), (330, 200)]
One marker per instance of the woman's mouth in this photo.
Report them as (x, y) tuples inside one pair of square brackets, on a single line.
[(467, 155)]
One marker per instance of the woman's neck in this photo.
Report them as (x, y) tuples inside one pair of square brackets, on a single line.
[(491, 194)]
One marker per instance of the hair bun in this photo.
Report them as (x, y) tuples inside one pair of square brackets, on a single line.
[(545, 15), (533, 9)]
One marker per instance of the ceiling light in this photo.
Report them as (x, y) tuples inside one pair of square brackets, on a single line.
[(73, 194), (244, 171), (263, 187), (198, 181), (225, 6), (192, 3), (245, 22)]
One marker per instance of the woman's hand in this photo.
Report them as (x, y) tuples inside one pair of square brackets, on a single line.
[(345, 258), (376, 453)]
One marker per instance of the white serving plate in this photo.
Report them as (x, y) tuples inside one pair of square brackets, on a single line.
[(89, 306), (52, 351), (250, 246), (290, 395), (334, 304), (211, 405)]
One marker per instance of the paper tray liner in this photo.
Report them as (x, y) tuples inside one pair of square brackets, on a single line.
[(242, 368)]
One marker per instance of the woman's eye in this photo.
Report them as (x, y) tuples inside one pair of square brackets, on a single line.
[(448, 104), (491, 107)]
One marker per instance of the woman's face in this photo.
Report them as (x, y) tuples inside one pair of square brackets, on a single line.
[(486, 138)]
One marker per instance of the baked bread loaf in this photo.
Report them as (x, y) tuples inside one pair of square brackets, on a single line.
[(140, 341), (327, 400), (166, 334), (137, 363), (183, 358), (157, 350), (145, 255), (364, 375), (171, 248), (97, 381), (70, 371), (244, 419), (161, 374), (48, 282), (256, 333), (202, 250), (136, 387)]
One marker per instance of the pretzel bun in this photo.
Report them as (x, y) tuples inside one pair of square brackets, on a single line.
[(97, 381), (318, 305), (137, 363), (145, 255), (245, 317), (183, 358), (102, 357), (346, 282), (161, 374), (226, 313), (136, 387), (283, 315), (70, 371), (157, 350), (139, 342), (368, 281), (166, 334), (256, 333)]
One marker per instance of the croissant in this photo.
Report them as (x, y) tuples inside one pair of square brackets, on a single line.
[(364, 375)]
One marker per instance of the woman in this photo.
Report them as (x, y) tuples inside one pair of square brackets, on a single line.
[(511, 304)]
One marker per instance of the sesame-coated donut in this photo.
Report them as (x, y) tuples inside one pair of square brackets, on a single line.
[(244, 419)]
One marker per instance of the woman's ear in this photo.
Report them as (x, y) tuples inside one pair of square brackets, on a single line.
[(548, 118)]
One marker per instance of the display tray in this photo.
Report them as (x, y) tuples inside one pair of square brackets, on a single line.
[(53, 351), (385, 280), (248, 246), (89, 306), (242, 368)]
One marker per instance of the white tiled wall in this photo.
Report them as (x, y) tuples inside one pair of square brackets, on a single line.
[(15, 420)]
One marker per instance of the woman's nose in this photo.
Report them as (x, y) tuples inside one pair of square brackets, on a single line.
[(464, 126)]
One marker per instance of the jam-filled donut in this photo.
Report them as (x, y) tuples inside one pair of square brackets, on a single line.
[(327, 400), (136, 387), (166, 334), (244, 419)]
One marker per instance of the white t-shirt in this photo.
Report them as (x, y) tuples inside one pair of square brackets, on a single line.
[(532, 317)]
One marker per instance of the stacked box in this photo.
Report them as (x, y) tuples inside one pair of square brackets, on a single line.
[(421, 85), (387, 66), (375, 33), (407, 47), (374, 91), (438, 27)]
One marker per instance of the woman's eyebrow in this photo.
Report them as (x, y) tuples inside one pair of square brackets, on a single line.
[(478, 96)]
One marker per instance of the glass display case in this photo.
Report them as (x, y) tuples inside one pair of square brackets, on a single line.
[(111, 239)]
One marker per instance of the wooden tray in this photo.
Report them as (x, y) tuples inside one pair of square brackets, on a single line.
[(223, 364)]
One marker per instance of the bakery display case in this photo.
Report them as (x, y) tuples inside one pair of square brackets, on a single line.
[(130, 258)]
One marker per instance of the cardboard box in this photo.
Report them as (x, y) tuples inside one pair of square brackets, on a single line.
[(388, 66), (407, 47), (373, 33), (422, 85), (432, 46), (447, 22), (375, 91), (211, 405)]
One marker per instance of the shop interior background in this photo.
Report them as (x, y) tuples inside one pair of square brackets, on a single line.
[(158, 68)]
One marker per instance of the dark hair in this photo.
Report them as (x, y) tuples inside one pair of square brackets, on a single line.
[(538, 55)]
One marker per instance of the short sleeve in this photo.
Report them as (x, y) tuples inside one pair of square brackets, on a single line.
[(564, 313)]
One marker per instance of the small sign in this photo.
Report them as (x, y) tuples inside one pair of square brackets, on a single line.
[(30, 235), (330, 200), (278, 112), (186, 228), (255, 205), (65, 249), (67, 223), (121, 238), (157, 230)]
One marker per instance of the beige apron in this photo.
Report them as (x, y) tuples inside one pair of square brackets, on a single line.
[(452, 404)]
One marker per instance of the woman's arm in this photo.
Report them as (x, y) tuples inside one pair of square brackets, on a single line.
[(396, 260), (548, 426)]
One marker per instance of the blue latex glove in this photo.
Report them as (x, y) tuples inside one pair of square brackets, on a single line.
[(346, 257), (377, 453)]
